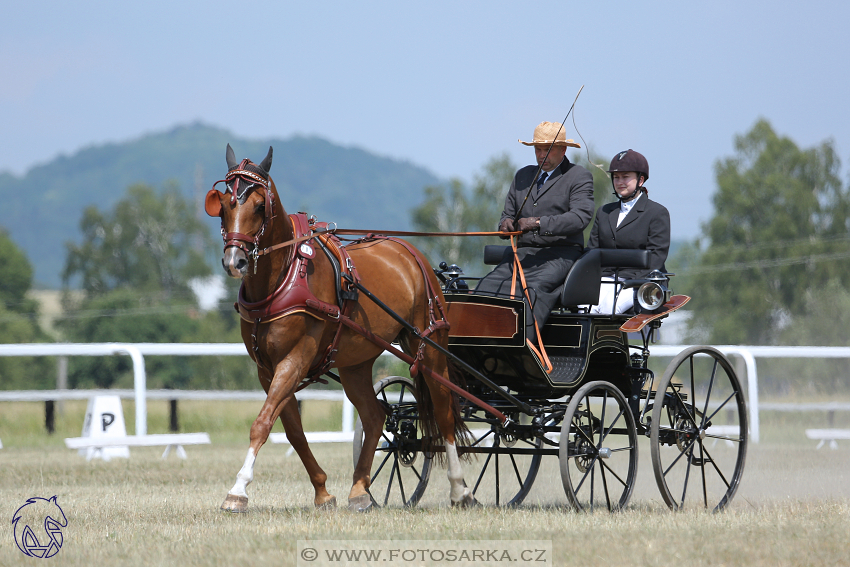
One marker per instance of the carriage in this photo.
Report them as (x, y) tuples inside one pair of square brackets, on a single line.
[(588, 396), (591, 410)]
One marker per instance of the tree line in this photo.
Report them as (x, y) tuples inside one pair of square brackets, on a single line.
[(769, 266)]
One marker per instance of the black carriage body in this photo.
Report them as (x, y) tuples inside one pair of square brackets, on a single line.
[(489, 334)]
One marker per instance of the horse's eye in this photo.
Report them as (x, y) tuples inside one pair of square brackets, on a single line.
[(260, 209)]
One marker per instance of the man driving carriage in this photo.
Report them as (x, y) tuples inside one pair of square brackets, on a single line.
[(552, 218)]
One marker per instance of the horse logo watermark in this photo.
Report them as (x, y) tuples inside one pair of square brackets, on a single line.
[(38, 527)]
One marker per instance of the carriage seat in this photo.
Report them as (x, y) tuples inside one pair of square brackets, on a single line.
[(584, 279)]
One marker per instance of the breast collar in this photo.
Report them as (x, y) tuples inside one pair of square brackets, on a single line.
[(293, 293)]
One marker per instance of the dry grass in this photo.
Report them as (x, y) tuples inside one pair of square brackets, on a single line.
[(793, 507)]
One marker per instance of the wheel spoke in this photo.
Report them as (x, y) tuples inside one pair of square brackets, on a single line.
[(589, 468), (610, 470), (381, 466), (681, 454), (392, 477), (608, 431), (722, 438), (605, 485), (687, 408), (726, 401), (483, 470), (687, 474), (482, 438), (516, 469), (401, 485), (708, 395), (497, 479), (719, 472), (592, 481), (602, 420), (704, 489)]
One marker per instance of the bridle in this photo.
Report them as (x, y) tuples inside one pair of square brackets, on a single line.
[(246, 174)]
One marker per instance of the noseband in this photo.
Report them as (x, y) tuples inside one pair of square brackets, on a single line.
[(246, 175)]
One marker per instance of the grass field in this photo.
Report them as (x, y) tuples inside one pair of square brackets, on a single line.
[(793, 507)]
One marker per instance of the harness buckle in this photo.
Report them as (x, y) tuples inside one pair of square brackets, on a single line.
[(255, 254)]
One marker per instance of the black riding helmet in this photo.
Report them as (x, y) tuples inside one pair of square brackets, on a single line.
[(629, 160)]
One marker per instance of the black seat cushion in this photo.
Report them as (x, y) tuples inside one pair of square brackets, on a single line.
[(495, 254), (624, 258), (583, 281)]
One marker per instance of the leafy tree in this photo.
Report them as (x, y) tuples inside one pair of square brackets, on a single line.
[(778, 234), (455, 208), (19, 321), (134, 263), (148, 242)]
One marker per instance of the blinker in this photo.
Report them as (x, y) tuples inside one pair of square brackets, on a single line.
[(212, 203)]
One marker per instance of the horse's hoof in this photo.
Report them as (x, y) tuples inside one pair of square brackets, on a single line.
[(362, 503), (235, 504), (327, 504), (468, 501)]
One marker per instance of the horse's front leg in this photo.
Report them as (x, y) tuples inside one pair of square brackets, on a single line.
[(291, 420), (287, 375)]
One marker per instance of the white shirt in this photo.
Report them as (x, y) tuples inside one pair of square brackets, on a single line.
[(625, 207)]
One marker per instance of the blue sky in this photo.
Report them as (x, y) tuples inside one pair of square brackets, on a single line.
[(446, 85)]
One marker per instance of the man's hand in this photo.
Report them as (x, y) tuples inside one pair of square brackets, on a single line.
[(529, 224), (507, 225)]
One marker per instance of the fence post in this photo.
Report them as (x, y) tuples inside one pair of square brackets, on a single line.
[(173, 424)]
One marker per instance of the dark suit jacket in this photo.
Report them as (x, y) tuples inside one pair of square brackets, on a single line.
[(564, 204), (646, 227)]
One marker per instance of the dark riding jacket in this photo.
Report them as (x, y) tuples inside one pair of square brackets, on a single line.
[(646, 227), (564, 204)]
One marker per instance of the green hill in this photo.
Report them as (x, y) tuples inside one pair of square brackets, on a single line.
[(350, 186)]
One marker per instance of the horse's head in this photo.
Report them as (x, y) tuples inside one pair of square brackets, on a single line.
[(246, 208)]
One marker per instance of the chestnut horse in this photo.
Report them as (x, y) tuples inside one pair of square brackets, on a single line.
[(288, 347)]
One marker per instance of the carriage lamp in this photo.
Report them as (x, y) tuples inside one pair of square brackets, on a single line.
[(652, 295)]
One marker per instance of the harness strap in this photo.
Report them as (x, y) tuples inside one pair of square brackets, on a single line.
[(541, 354), (368, 335)]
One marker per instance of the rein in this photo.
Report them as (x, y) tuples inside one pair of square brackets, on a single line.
[(369, 233)]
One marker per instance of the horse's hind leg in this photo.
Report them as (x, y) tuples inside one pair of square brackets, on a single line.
[(291, 420), (357, 381), (446, 416)]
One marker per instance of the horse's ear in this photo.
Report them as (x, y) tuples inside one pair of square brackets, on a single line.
[(212, 204), (266, 164), (230, 157)]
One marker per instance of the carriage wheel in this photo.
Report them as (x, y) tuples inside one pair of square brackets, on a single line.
[(400, 470), (504, 473), (699, 431), (598, 451)]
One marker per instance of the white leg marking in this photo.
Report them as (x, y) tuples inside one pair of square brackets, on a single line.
[(455, 474), (244, 476)]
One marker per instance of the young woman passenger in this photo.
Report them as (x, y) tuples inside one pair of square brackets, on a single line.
[(633, 222)]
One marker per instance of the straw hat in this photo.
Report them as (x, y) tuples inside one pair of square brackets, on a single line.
[(545, 133)]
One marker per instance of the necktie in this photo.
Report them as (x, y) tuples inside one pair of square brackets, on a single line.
[(540, 181)]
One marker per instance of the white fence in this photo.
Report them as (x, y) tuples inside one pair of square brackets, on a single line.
[(140, 393)]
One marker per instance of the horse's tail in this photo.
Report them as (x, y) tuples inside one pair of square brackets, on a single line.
[(431, 434)]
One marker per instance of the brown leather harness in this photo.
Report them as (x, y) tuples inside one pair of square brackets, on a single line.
[(293, 294)]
